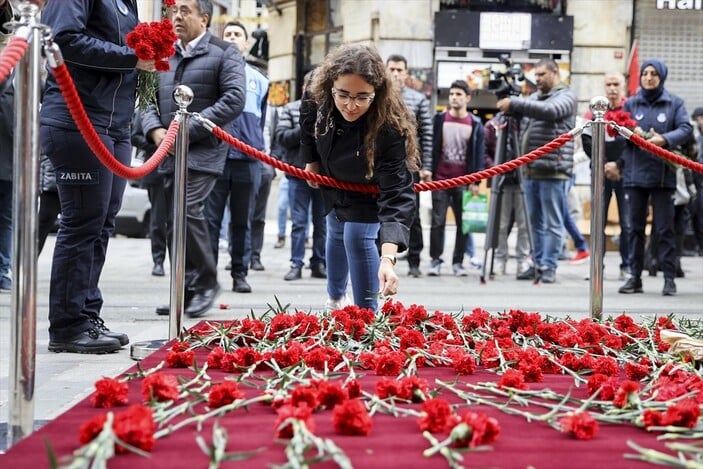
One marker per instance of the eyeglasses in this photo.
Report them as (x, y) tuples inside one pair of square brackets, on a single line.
[(345, 98)]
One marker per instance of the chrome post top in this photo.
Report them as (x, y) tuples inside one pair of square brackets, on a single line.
[(599, 106), (183, 96)]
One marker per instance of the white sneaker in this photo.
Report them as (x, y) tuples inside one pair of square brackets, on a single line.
[(459, 270), (435, 265), (333, 305), (499, 266), (476, 262)]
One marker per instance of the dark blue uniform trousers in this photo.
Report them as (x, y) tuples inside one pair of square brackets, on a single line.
[(90, 196)]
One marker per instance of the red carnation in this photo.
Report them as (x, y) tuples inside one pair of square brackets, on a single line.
[(92, 428), (330, 394), (463, 363), (386, 388), (353, 388), (224, 394), (305, 395), (435, 415), (652, 418), (684, 413), (620, 117), (390, 364), (512, 379), (135, 427), (302, 413), (180, 356), (351, 418), (606, 384), (626, 393), (474, 429), (110, 392), (214, 358), (413, 389), (160, 387), (580, 425)]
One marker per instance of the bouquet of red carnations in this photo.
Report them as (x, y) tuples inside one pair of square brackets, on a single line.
[(152, 41), (621, 118)]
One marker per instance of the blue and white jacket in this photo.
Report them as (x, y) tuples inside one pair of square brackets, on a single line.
[(668, 117), (249, 125)]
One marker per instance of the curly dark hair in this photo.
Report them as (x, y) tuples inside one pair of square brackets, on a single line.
[(387, 108)]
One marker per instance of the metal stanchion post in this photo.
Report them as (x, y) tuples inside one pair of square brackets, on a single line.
[(599, 106), (183, 97), (23, 311)]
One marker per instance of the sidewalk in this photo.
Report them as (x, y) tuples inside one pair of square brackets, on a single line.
[(131, 294)]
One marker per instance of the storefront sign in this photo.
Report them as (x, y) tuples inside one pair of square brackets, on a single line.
[(679, 4), (505, 31)]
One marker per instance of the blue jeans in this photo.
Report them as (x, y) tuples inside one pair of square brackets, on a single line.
[(5, 228), (545, 207), (304, 200), (569, 224), (470, 249), (623, 213), (352, 252), (283, 206)]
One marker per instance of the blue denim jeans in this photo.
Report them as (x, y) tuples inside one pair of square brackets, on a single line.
[(283, 204), (569, 224), (5, 228), (470, 249), (304, 200), (609, 188), (352, 252), (545, 207)]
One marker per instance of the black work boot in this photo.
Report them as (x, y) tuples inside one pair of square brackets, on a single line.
[(90, 341), (632, 285)]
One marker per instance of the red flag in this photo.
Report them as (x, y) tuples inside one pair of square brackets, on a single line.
[(633, 69)]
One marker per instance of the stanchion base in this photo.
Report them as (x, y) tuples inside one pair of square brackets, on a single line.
[(141, 350)]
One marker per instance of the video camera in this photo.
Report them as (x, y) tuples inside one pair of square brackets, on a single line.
[(502, 80)]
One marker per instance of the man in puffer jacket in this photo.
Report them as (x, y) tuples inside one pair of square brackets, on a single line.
[(547, 113), (214, 70)]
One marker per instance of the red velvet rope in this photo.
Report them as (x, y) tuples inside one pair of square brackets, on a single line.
[(285, 167), (558, 142), (666, 154), (75, 107), (372, 189), (11, 55)]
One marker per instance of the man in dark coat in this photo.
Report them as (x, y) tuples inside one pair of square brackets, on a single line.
[(214, 70)]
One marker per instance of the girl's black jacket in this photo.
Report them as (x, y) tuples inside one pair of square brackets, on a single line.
[(339, 149)]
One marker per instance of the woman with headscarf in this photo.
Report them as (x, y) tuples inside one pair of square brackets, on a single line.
[(663, 121)]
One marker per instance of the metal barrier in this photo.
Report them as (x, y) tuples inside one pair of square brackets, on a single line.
[(599, 106), (183, 97), (23, 312)]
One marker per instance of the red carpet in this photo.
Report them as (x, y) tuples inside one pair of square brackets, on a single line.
[(393, 442)]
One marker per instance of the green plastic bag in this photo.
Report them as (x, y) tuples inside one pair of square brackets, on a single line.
[(474, 216)]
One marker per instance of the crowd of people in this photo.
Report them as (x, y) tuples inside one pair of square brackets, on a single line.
[(357, 122)]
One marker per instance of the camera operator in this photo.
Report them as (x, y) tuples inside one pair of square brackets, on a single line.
[(548, 113)]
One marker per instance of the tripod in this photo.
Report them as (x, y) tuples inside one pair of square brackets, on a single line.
[(506, 131)]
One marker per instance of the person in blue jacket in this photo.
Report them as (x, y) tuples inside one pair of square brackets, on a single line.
[(91, 36), (663, 121)]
